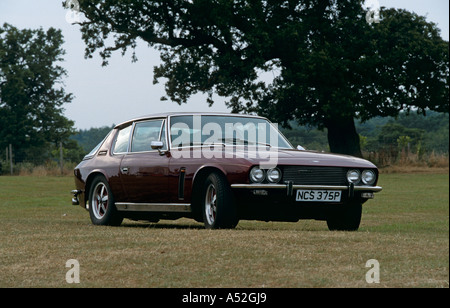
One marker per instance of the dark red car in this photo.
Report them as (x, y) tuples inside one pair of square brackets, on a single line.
[(218, 169)]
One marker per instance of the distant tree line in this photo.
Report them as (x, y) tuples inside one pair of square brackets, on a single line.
[(89, 138), (415, 133)]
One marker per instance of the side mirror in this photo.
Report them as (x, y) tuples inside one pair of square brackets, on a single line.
[(157, 145), (300, 148)]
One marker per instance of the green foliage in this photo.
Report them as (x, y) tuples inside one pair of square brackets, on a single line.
[(396, 134), (89, 138), (404, 142), (425, 134), (72, 151), (435, 127), (310, 138), (363, 142), (31, 92)]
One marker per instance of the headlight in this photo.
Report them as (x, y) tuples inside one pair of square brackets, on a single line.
[(274, 175), (368, 177), (353, 176), (256, 175)]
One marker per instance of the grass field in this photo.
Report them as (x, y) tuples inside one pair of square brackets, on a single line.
[(405, 228)]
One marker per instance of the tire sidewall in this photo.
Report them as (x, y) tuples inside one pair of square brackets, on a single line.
[(226, 216), (111, 217), (347, 219)]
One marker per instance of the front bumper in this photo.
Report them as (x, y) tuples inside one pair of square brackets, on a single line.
[(278, 202), (75, 199), (367, 191)]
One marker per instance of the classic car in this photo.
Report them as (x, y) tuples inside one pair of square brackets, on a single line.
[(218, 169)]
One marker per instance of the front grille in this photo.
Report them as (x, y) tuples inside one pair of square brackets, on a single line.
[(315, 175)]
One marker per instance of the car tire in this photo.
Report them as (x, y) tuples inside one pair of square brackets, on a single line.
[(102, 208), (218, 206), (347, 219)]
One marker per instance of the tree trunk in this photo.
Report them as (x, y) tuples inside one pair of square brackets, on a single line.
[(342, 137)]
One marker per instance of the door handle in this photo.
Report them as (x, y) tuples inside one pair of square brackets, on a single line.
[(124, 169)]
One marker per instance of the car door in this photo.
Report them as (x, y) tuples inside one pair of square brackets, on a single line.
[(110, 164), (144, 171)]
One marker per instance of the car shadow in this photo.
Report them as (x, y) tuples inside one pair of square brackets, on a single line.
[(158, 225), (244, 225)]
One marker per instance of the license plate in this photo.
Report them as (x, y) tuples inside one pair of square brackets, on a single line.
[(318, 195)]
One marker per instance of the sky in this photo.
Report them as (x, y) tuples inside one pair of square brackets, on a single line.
[(123, 90)]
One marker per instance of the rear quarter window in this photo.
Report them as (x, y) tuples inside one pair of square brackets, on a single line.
[(122, 140)]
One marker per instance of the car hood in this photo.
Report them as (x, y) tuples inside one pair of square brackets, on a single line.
[(305, 158)]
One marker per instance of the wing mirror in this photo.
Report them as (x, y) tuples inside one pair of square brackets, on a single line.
[(300, 148), (157, 145)]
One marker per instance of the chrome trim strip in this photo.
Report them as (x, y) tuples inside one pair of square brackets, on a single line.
[(284, 186), (369, 188), (181, 181), (154, 207), (259, 186)]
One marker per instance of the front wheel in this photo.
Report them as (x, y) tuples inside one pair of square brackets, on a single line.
[(346, 219), (219, 209), (102, 208)]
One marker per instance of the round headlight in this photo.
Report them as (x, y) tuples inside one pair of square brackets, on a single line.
[(256, 175), (353, 176), (368, 177), (274, 175)]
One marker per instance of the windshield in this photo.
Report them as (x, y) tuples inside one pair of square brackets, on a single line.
[(228, 130)]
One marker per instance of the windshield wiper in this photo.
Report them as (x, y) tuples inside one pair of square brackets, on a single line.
[(238, 141)]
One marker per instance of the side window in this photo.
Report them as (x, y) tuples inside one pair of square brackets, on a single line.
[(94, 150), (181, 132), (122, 140), (144, 133)]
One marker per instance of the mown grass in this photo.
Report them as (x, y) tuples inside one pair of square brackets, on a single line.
[(405, 228)]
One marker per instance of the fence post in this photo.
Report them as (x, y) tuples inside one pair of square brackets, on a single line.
[(10, 158), (61, 163)]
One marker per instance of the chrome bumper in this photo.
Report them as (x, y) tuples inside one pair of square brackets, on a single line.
[(323, 187), (289, 187), (75, 200)]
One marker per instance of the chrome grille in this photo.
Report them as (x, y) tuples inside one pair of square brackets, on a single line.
[(315, 175)]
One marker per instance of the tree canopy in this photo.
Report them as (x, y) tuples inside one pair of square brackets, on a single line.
[(330, 66), (31, 92)]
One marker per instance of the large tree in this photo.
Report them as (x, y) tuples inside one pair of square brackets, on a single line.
[(329, 65), (31, 92)]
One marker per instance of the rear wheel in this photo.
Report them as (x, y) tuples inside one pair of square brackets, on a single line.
[(347, 219), (102, 208), (219, 210)]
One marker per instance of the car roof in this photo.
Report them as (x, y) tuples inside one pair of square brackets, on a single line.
[(167, 114)]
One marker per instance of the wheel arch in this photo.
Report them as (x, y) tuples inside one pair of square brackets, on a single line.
[(89, 181), (197, 181)]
